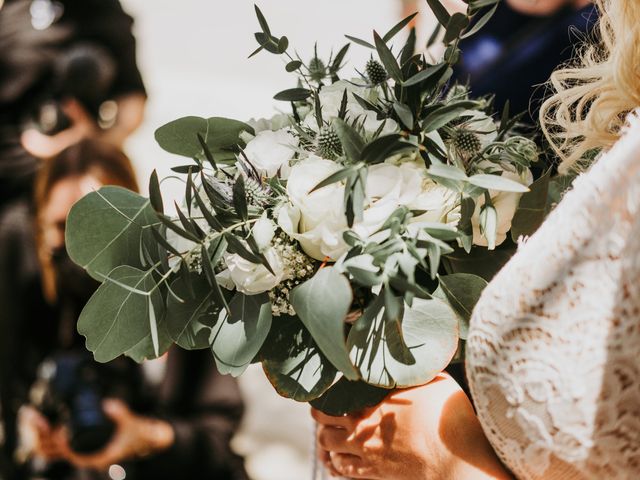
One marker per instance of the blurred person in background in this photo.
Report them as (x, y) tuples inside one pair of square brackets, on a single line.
[(514, 54), (67, 71), (171, 418)]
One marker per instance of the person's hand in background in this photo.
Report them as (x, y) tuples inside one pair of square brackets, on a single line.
[(129, 116), (37, 436), (135, 437), (46, 146), (424, 432)]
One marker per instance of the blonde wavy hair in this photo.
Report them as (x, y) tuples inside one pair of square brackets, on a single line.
[(593, 97)]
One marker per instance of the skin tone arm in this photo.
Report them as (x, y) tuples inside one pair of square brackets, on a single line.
[(130, 116), (426, 432), (135, 436)]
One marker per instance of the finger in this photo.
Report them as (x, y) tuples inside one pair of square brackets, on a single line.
[(346, 422), (325, 459), (76, 112), (116, 410), (336, 440), (352, 466)]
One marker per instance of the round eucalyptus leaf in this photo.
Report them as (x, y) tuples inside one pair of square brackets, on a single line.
[(180, 136), (106, 229), (461, 291), (238, 337), (145, 349), (532, 208), (293, 363), (411, 352), (118, 317), (190, 321), (480, 261), (347, 397), (322, 303)]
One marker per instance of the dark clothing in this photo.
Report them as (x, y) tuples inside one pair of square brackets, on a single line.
[(203, 406), (514, 55), (29, 57)]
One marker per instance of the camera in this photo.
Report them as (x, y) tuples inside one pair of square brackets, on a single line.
[(68, 392), (84, 72)]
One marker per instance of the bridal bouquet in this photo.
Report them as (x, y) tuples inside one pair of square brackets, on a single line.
[(341, 244)]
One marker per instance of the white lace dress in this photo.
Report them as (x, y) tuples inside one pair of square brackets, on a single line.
[(553, 355)]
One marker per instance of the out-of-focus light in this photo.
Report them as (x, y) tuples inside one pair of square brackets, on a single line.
[(116, 472)]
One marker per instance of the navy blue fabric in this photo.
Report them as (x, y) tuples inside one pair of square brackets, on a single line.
[(514, 55)]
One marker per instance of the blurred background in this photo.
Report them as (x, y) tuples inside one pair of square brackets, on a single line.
[(69, 124)]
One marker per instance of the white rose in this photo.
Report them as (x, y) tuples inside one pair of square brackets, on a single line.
[(250, 278), (439, 203), (271, 152), (277, 122), (505, 203), (317, 220)]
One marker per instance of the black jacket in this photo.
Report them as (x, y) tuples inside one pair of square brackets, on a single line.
[(204, 407)]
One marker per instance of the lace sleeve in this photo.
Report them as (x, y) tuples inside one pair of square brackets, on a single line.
[(553, 355)]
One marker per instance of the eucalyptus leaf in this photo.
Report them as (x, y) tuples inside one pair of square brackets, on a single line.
[(337, 61), (115, 320), (440, 12), (428, 340), (293, 65), (425, 74), (293, 363), (293, 95), (359, 41), (404, 114), (480, 261), (346, 397), (497, 182), (531, 209), (457, 23), (180, 137), (238, 337), (398, 27), (105, 229), (322, 303), (352, 142), (461, 291), (477, 26), (189, 321), (155, 195), (388, 59)]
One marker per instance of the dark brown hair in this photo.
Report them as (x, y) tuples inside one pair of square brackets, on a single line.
[(109, 164)]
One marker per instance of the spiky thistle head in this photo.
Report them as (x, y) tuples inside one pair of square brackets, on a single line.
[(328, 144), (465, 142), (376, 72), (317, 69)]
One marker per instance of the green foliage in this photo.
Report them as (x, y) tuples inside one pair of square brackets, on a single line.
[(117, 319), (221, 135), (390, 312), (110, 228), (461, 291), (347, 397), (294, 364), (393, 354), (322, 304), (238, 337), (531, 209)]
